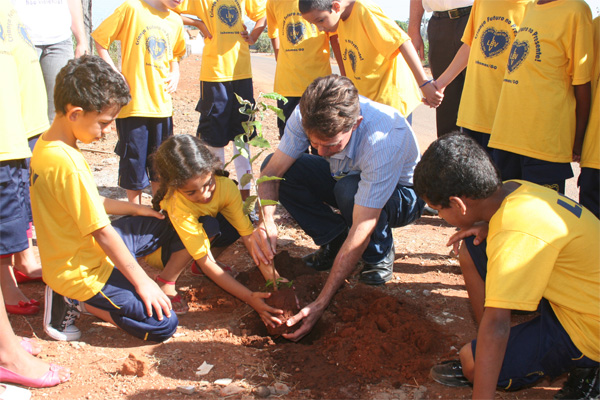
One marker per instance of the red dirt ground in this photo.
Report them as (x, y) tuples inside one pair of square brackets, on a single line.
[(372, 343)]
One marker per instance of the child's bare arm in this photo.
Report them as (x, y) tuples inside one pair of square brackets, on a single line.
[(198, 24), (275, 44), (432, 96), (335, 47), (252, 37), (173, 79), (103, 53), (116, 207), (229, 284), (152, 296), (583, 98), (458, 64)]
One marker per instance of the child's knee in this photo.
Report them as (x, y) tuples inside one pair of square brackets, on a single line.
[(467, 361), (164, 329)]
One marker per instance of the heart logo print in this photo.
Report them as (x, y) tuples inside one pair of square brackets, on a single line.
[(157, 47), (295, 32), (353, 59), (494, 42), (229, 15), (518, 54)]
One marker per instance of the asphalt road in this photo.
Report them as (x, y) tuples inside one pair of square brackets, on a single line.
[(263, 71)]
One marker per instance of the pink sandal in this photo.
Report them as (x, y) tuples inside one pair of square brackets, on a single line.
[(26, 344), (175, 300), (49, 379)]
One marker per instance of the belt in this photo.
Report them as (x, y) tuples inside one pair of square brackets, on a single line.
[(453, 14)]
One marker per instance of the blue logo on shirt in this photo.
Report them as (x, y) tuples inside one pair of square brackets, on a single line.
[(518, 54), (1, 32), (228, 15), (494, 42), (157, 47), (295, 32), (353, 59)]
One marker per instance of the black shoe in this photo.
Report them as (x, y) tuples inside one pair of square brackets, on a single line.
[(449, 373), (379, 273), (322, 259), (429, 211), (60, 314), (582, 383)]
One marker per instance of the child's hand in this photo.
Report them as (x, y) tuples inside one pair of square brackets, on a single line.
[(144, 211), (267, 314), (154, 298), (172, 81), (433, 97), (203, 29), (249, 38), (263, 243), (479, 230)]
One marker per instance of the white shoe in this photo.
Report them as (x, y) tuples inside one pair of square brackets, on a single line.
[(60, 314)]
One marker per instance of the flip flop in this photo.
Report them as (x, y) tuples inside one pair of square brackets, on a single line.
[(22, 278), (14, 393), (177, 300), (23, 308), (27, 345), (49, 379)]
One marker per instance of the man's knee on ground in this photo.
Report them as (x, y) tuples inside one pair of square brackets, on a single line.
[(467, 361)]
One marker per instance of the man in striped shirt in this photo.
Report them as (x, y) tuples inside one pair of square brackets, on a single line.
[(367, 155)]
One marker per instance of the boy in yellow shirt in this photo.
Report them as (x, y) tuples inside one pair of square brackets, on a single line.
[(370, 42), (531, 249), (152, 43), (79, 247)]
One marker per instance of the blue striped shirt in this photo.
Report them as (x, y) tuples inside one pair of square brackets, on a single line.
[(383, 150)]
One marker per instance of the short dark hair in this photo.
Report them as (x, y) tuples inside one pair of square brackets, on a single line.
[(455, 165), (91, 83), (329, 105), (306, 6)]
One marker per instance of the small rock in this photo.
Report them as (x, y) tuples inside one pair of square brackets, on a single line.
[(231, 390), (426, 292), (179, 334), (223, 382), (297, 369), (263, 391), (408, 291), (239, 372), (186, 389), (281, 388), (204, 369), (134, 366)]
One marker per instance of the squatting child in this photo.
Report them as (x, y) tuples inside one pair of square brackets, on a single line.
[(152, 43), (544, 103), (89, 263), (536, 252), (205, 208), (370, 42)]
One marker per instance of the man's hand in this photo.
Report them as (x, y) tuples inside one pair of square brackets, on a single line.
[(310, 315), (154, 298), (263, 242), (267, 313)]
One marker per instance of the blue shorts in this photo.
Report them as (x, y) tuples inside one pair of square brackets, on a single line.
[(589, 190), (139, 137), (482, 138), (220, 232), (15, 207), (220, 118), (545, 173), (535, 348), (142, 236)]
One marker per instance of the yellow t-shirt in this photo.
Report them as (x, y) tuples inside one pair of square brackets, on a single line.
[(66, 210), (303, 50), (490, 31), (184, 215), (590, 155), (551, 53), (13, 142), (370, 45), (150, 41), (34, 103), (225, 57), (542, 244)]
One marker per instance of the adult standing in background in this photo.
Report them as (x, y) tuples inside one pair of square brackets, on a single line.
[(445, 30), (49, 24)]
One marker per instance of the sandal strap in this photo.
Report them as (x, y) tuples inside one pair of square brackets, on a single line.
[(164, 281)]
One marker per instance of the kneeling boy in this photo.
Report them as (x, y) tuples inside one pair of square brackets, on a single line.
[(79, 248), (541, 250)]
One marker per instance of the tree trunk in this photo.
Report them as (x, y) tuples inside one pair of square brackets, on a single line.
[(86, 5)]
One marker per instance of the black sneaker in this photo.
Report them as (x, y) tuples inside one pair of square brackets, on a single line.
[(379, 273), (582, 383), (323, 259), (449, 373), (60, 314)]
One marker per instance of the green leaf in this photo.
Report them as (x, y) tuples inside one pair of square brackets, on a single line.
[(242, 101), (256, 156), (259, 141), (254, 124), (246, 179), (278, 111), (240, 145), (230, 161), (267, 202), (249, 204), (275, 96), (247, 111), (267, 178)]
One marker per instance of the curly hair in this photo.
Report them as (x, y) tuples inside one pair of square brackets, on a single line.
[(329, 106), (90, 83), (455, 165), (178, 159), (306, 6)]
